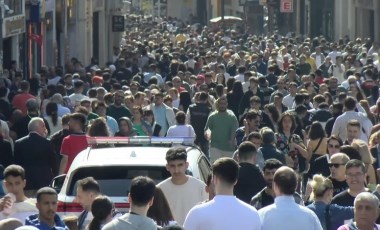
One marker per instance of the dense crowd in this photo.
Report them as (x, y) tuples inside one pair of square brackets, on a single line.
[(299, 116)]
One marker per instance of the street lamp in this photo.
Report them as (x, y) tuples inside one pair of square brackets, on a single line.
[(7, 10)]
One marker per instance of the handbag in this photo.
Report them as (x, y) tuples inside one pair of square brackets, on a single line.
[(301, 164)]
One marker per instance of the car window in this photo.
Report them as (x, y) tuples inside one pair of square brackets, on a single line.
[(115, 180), (204, 168)]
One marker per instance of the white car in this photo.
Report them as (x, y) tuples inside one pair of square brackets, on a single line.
[(115, 167)]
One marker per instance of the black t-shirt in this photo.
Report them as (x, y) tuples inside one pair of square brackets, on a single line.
[(261, 200), (339, 186), (343, 199), (266, 199), (321, 115), (249, 183), (319, 166)]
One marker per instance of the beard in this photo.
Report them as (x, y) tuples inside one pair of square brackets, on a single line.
[(269, 184)]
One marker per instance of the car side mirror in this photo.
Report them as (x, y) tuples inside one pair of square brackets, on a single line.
[(57, 182)]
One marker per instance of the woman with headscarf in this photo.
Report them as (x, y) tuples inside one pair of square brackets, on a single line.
[(125, 128)]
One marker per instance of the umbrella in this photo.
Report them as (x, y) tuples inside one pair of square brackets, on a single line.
[(226, 18)]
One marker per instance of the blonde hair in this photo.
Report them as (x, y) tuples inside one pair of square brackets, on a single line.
[(71, 222), (374, 139), (363, 150), (319, 186)]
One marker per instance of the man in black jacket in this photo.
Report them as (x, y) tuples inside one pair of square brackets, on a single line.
[(337, 111), (36, 155), (268, 149), (250, 180), (196, 116), (6, 153), (57, 138)]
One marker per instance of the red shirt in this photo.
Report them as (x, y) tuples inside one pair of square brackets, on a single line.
[(72, 145), (19, 102)]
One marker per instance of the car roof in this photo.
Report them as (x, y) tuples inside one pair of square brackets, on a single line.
[(137, 156)]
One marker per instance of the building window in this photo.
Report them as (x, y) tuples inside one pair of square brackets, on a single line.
[(71, 6), (15, 5)]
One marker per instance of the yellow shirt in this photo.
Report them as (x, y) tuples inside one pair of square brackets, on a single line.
[(311, 61)]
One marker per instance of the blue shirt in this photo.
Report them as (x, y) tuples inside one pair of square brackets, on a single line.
[(34, 221), (286, 214), (112, 124), (337, 214), (160, 117)]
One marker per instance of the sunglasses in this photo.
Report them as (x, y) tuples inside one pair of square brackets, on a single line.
[(336, 165), (334, 146)]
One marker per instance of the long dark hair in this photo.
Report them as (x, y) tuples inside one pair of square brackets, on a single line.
[(237, 90), (101, 208), (283, 115), (230, 82), (160, 209), (316, 131), (52, 111), (219, 90), (185, 100), (273, 112)]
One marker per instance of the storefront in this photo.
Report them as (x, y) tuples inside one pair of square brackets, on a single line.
[(367, 19), (14, 34)]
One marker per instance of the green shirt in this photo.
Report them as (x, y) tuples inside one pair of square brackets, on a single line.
[(139, 130), (223, 126), (92, 116)]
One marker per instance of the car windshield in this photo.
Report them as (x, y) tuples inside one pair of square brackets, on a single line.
[(115, 180)]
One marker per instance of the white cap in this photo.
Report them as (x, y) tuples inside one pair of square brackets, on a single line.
[(112, 68)]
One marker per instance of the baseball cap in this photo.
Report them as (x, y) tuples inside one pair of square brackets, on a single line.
[(97, 79)]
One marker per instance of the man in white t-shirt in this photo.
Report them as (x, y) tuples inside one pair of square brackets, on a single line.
[(288, 100), (182, 191), (14, 182), (181, 129), (338, 69), (225, 211)]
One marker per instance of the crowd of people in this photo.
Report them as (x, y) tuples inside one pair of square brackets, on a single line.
[(284, 120)]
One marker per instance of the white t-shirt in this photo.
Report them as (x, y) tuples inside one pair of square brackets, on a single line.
[(190, 63), (333, 55), (175, 103), (223, 213), (182, 198), (53, 128), (288, 101), (240, 77), (337, 72), (22, 210), (76, 98), (181, 131)]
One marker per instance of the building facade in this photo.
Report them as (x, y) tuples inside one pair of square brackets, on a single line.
[(185, 10), (13, 34), (357, 18), (338, 18), (73, 28)]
